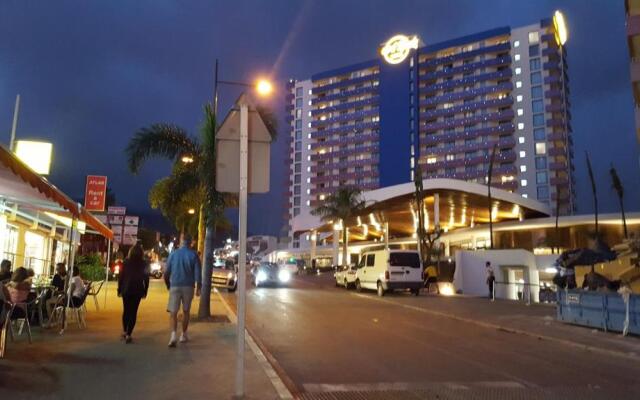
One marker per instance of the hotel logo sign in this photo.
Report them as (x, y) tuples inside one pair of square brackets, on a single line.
[(396, 49)]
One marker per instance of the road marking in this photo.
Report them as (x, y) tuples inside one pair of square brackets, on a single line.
[(407, 386), (278, 384), (489, 325)]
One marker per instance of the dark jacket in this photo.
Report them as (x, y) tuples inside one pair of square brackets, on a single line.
[(134, 279)]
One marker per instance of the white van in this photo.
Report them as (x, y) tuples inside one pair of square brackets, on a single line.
[(385, 270)]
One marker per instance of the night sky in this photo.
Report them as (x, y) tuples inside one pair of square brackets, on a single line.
[(91, 73)]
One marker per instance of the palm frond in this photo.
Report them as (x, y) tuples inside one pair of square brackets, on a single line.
[(159, 140), (616, 182)]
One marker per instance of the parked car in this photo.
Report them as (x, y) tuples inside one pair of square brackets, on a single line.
[(224, 275), (346, 276), (389, 270), (268, 273)]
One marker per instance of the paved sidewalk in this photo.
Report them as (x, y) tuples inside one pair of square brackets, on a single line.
[(535, 319), (93, 363)]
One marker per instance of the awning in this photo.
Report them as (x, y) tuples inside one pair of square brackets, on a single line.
[(19, 184)]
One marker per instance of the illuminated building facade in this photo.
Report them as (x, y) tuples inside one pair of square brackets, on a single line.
[(442, 107)]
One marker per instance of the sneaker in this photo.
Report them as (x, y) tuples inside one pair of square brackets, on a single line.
[(184, 338), (172, 341)]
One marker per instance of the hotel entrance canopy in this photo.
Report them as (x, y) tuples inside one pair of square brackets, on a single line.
[(461, 204), (23, 191)]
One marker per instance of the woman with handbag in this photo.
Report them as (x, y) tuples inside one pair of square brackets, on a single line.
[(133, 284)]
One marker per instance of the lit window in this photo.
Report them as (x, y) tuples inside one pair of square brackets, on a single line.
[(308, 203), (520, 126), (541, 148), (321, 197), (308, 147), (520, 111), (519, 98), (525, 195), (523, 168), (523, 182), (516, 44), (447, 105), (431, 160), (309, 124), (310, 102), (518, 71), (450, 157), (521, 139), (309, 113), (308, 170), (310, 91), (517, 57), (308, 136), (519, 84), (522, 153), (534, 37), (308, 181)]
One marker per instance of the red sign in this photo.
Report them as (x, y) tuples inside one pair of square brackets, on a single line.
[(95, 194)]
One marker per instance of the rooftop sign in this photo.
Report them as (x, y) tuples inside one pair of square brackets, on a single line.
[(396, 49)]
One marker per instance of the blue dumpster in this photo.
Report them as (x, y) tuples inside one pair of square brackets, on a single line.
[(598, 310)]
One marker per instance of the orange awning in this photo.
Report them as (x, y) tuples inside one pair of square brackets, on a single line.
[(21, 184)]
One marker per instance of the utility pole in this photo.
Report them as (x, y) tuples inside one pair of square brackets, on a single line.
[(16, 110)]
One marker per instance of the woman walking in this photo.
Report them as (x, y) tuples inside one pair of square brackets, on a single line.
[(133, 284)]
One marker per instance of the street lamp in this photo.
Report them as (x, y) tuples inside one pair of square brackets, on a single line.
[(191, 211), (262, 86), (186, 159)]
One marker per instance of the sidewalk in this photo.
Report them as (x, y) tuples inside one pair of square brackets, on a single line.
[(93, 363), (538, 320)]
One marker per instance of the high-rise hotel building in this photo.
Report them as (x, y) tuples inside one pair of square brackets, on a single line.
[(444, 107)]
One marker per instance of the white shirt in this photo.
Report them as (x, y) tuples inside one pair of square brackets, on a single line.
[(77, 285)]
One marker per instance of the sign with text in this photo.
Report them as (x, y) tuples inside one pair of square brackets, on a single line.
[(130, 230), (131, 220), (95, 194), (117, 233), (113, 210), (116, 219)]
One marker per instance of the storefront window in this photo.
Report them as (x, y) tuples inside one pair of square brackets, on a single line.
[(34, 252)]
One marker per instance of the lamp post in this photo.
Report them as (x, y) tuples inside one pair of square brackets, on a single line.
[(263, 88)]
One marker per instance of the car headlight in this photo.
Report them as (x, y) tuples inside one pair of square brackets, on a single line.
[(261, 276), (230, 275), (284, 276)]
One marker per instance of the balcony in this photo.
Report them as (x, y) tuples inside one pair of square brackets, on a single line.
[(372, 162), (555, 123), (554, 107), (558, 166), (553, 93), (551, 52), (345, 106), (346, 82), (497, 116), (471, 80), (559, 181), (507, 156), (633, 25), (343, 95), (469, 134), (494, 62), (494, 103), (361, 126), (467, 94), (635, 69), (556, 136), (345, 118), (373, 149), (344, 177), (356, 138), (558, 151), (552, 79), (466, 54), (505, 143), (330, 190)]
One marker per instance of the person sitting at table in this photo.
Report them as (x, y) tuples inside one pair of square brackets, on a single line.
[(76, 287), (19, 287), (57, 284), (5, 271)]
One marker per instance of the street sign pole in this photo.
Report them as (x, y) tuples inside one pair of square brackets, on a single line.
[(242, 239)]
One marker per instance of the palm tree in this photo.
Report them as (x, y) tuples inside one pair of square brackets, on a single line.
[(341, 205), (593, 191), (193, 173), (617, 186)]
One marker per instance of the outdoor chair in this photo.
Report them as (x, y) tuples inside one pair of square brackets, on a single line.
[(94, 290), (4, 323), (78, 310)]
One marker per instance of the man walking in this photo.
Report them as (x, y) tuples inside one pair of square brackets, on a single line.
[(181, 275), (491, 279)]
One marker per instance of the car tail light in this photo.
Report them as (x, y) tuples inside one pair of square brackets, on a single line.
[(386, 275)]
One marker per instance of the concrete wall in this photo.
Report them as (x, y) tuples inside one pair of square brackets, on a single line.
[(470, 274)]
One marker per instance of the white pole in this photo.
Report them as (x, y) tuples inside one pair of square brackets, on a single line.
[(386, 235), (16, 110), (242, 241), (106, 279)]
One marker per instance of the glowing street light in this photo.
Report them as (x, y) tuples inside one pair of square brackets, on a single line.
[(186, 159), (191, 211), (562, 33), (264, 87)]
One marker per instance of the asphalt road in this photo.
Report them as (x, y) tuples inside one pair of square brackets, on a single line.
[(329, 340)]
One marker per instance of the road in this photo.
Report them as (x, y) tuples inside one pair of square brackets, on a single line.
[(329, 340)]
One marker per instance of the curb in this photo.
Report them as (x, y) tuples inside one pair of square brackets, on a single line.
[(506, 329), (284, 385)]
